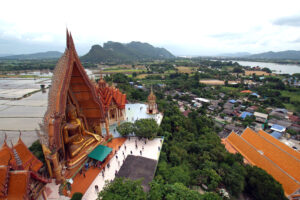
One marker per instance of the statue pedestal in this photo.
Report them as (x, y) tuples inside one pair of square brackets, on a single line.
[(74, 163)]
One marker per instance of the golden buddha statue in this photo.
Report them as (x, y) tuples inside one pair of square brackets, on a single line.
[(76, 137)]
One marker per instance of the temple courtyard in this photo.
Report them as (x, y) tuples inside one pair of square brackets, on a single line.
[(121, 165)]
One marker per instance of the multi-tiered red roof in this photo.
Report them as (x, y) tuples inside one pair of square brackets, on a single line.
[(18, 166), (108, 94)]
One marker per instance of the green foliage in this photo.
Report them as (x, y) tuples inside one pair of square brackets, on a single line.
[(210, 196), (146, 128), (238, 70), (126, 128), (261, 185), (265, 69), (36, 149), (122, 189), (177, 191), (77, 196)]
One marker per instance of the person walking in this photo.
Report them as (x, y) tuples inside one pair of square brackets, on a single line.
[(140, 152)]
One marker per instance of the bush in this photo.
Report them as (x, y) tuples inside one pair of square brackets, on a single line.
[(77, 196)]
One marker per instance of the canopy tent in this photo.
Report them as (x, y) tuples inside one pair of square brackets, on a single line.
[(100, 153)]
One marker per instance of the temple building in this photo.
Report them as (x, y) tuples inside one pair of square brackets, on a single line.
[(113, 101), (265, 151), (19, 173), (74, 118), (152, 106)]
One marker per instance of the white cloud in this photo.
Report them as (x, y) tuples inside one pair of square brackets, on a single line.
[(197, 27)]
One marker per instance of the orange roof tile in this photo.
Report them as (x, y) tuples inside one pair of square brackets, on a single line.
[(107, 94), (29, 161), (3, 179), (289, 184), (18, 184), (279, 144), (284, 160), (232, 150), (6, 155)]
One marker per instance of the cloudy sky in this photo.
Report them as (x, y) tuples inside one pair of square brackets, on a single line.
[(184, 27)]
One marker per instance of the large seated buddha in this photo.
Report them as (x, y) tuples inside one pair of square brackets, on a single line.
[(76, 137)]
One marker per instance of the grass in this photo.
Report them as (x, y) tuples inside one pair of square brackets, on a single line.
[(188, 70), (294, 96), (151, 82), (290, 107), (142, 76)]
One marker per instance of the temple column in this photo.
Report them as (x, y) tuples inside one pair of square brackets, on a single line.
[(117, 114), (44, 195), (57, 168), (107, 127)]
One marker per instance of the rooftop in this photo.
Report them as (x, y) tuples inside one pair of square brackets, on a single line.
[(264, 151)]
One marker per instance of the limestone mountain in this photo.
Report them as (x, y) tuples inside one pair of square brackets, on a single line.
[(119, 52)]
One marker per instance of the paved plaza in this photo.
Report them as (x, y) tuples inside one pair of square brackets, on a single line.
[(138, 167), (149, 150)]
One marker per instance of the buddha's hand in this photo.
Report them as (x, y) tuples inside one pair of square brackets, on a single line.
[(97, 137)]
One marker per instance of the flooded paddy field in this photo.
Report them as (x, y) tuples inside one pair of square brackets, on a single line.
[(22, 107)]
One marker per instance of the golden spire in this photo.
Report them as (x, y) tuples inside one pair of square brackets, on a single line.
[(151, 95)]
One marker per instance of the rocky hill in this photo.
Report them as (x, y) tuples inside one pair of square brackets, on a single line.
[(119, 52)]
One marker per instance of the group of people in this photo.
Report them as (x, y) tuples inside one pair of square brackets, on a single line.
[(120, 156)]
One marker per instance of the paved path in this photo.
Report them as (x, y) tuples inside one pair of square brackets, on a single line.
[(151, 150)]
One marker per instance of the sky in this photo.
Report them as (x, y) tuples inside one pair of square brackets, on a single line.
[(184, 27)]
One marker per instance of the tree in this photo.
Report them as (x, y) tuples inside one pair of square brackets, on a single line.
[(77, 196), (210, 196), (36, 149), (265, 69), (126, 128), (146, 128), (262, 185), (238, 70), (123, 189), (210, 178)]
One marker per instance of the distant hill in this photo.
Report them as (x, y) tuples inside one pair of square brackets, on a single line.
[(119, 52), (281, 55), (4, 55), (238, 54), (34, 56)]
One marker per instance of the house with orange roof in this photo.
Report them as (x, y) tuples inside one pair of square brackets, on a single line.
[(262, 150), (246, 91)]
